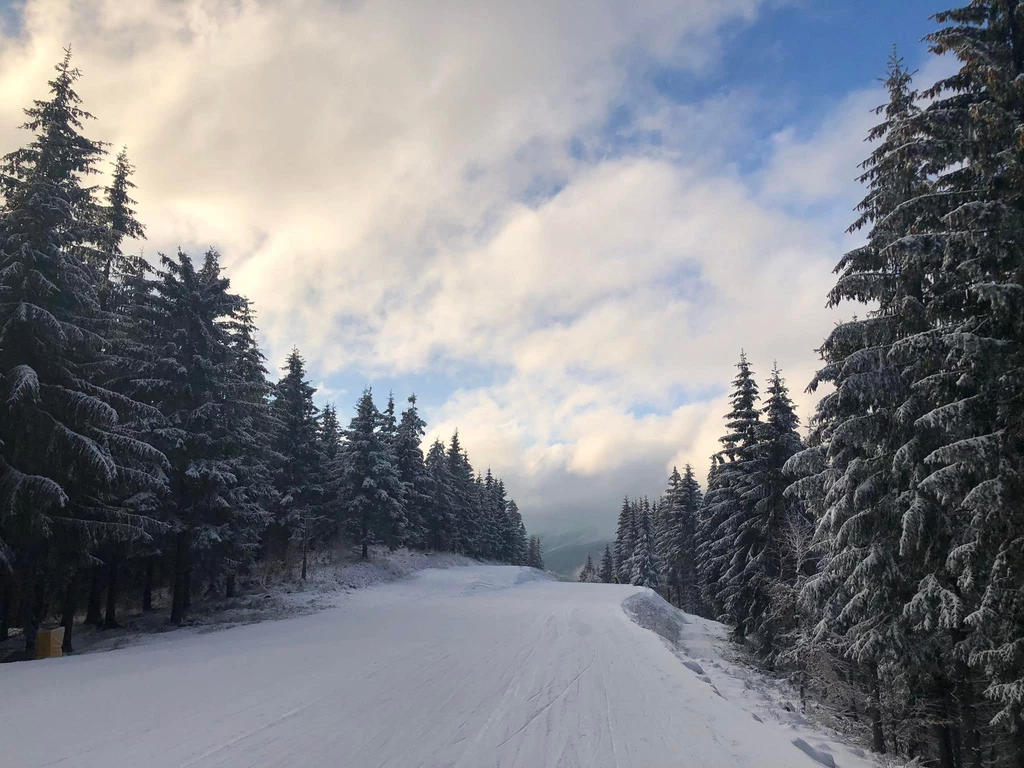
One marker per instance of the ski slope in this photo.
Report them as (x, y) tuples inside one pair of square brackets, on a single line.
[(470, 667)]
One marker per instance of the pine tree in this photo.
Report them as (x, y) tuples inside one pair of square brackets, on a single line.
[(252, 429), (683, 499), (117, 268), (644, 564), (760, 560), (966, 521), (412, 470), (464, 498), (865, 455), (297, 477), (724, 505), (535, 557), (66, 465), (197, 383), (607, 566), (442, 533), (625, 541), (520, 545), (329, 433), (588, 573), (371, 487)]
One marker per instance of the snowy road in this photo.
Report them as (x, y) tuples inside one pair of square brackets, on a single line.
[(471, 667)]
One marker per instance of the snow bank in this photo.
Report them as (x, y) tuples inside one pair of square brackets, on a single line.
[(704, 649), (327, 585), (651, 611)]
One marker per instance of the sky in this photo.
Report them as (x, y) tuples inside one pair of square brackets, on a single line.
[(558, 222)]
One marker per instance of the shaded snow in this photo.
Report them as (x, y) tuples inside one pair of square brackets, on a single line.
[(471, 667), (704, 649)]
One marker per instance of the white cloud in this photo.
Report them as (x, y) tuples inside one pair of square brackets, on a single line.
[(365, 169)]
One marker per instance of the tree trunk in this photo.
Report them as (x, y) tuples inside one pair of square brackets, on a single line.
[(973, 755), (178, 605), (93, 613), (943, 745), (305, 546), (6, 607), (147, 587), (187, 587), (110, 622), (230, 589), (32, 612), (68, 618), (877, 734)]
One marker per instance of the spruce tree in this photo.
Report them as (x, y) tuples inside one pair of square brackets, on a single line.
[(724, 504), (464, 498), (607, 566), (252, 429), (197, 383), (645, 566), (760, 560), (520, 545), (683, 499), (299, 473), (412, 470), (624, 542), (371, 487), (588, 572), (66, 464), (966, 522), (865, 453), (441, 529)]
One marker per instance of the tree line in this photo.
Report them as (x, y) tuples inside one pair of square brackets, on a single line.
[(142, 444), (880, 561)]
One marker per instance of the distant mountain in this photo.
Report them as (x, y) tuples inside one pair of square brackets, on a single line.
[(565, 553)]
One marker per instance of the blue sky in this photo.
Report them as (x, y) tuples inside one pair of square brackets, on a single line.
[(557, 221)]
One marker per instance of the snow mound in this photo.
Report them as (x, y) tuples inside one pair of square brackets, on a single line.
[(817, 755), (529, 575), (650, 610), (703, 647)]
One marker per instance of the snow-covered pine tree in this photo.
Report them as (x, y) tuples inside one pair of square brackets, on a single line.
[(464, 496), (329, 437), (967, 520), (761, 561), (329, 432), (644, 564), (669, 534), (520, 545), (607, 570), (299, 474), (507, 530), (196, 381), (489, 516), (625, 541), (588, 572), (865, 453), (115, 267), (371, 489), (412, 470), (535, 556), (251, 427), (66, 466), (724, 506), (683, 498), (442, 533), (388, 421)]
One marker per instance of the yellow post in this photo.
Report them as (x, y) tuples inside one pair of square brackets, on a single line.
[(49, 642)]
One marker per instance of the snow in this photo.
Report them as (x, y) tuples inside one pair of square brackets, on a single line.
[(472, 667)]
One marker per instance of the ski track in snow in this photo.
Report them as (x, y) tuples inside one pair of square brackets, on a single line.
[(459, 668)]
